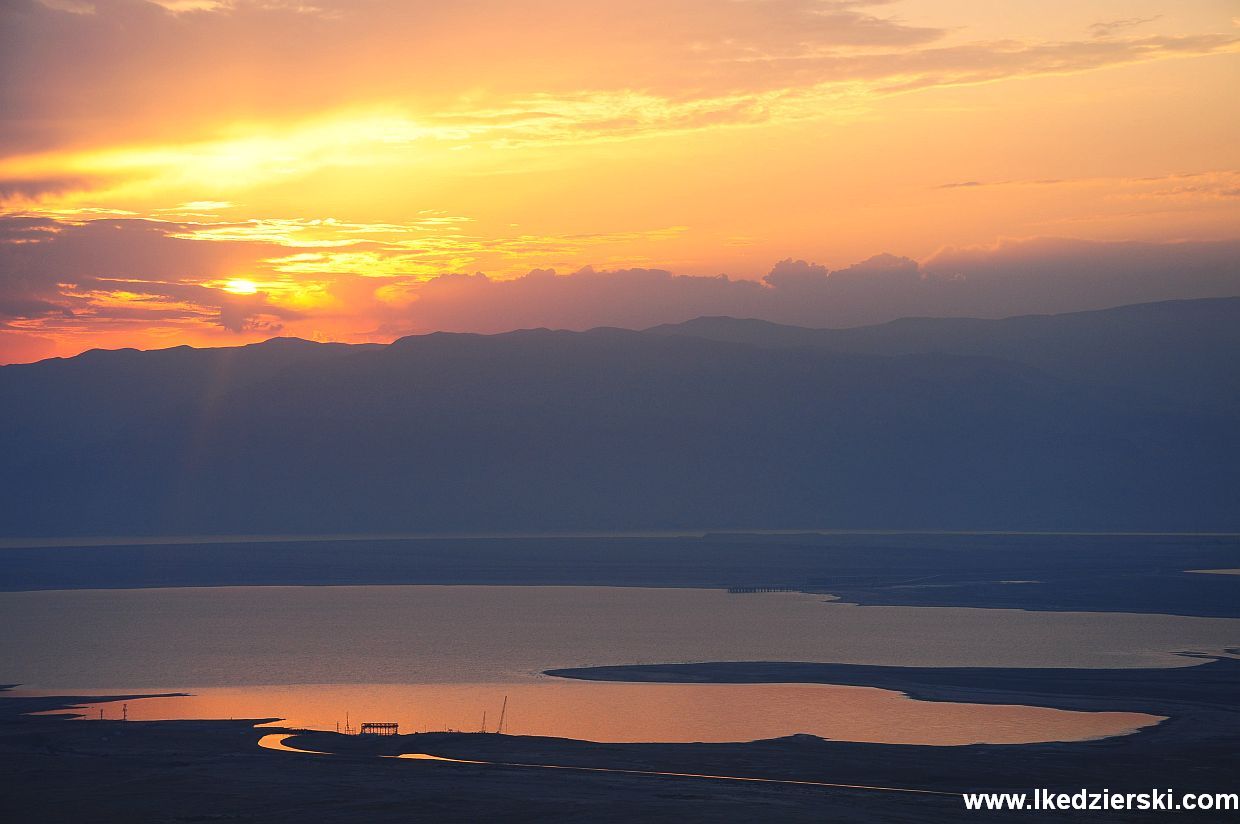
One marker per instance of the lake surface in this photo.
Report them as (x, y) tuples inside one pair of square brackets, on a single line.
[(448, 653), (612, 712)]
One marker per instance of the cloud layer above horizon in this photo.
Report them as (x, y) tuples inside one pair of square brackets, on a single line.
[(125, 286), (219, 171)]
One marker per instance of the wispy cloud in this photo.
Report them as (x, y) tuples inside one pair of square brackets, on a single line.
[(1190, 186), (1110, 28)]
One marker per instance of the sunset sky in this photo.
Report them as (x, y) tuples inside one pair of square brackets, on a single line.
[(217, 172)]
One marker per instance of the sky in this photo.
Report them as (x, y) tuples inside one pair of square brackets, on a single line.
[(218, 172)]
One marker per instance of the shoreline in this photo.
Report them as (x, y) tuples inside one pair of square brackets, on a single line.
[(78, 542), (1080, 573), (151, 770), (1213, 682)]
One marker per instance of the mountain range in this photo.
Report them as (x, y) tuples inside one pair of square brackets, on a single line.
[(1121, 419)]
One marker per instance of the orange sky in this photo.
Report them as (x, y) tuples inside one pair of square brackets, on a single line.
[(215, 172)]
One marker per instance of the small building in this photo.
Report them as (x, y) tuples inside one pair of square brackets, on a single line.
[(380, 728)]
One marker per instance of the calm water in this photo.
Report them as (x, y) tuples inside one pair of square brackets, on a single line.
[(641, 712), (449, 653)]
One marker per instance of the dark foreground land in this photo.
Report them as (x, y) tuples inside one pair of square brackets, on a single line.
[(58, 770)]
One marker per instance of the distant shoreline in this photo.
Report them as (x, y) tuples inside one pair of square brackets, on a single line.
[(1169, 691), (1061, 572), (181, 540)]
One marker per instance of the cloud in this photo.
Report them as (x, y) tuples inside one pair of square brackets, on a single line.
[(1048, 275), (207, 246), (253, 313), (627, 298), (74, 280), (75, 275), (985, 62), (50, 249), (295, 59), (18, 191), (1219, 184), (1109, 28), (602, 69), (70, 6), (1011, 278)]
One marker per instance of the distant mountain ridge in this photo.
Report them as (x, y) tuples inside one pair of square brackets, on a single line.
[(1116, 419), (1183, 350)]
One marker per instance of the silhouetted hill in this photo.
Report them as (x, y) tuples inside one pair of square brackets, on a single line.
[(716, 423)]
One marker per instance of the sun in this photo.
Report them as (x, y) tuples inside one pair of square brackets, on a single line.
[(241, 286)]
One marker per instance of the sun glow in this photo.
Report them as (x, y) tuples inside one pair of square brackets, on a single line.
[(241, 286)]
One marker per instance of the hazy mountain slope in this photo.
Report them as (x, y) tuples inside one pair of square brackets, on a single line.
[(1182, 351), (607, 429)]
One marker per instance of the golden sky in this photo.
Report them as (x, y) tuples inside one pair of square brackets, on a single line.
[(216, 172)]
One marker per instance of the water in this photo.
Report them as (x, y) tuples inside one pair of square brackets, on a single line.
[(448, 653), (614, 712)]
